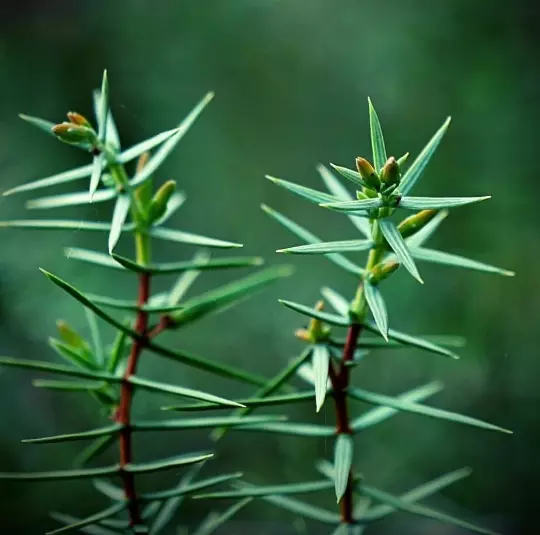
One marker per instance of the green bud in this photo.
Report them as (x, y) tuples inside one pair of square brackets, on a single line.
[(77, 118), (107, 180), (390, 172), (412, 224), (382, 271), (368, 173), (144, 191), (70, 336), (75, 134), (160, 200)]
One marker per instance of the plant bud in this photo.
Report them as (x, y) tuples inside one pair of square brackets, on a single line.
[(382, 271), (317, 330), (77, 118), (390, 172), (144, 191), (160, 200), (75, 134), (70, 336), (368, 173), (412, 224)]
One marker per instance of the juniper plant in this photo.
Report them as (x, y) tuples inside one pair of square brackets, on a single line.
[(109, 372), (328, 362)]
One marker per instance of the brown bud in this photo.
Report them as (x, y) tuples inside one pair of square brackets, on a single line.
[(390, 172), (412, 224), (74, 134), (77, 118)]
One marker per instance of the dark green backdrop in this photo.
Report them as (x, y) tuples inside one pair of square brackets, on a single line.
[(291, 81)]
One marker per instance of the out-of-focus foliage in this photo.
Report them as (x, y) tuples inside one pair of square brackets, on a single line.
[(291, 79)]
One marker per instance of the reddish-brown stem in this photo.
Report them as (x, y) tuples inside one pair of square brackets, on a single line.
[(123, 414), (164, 323), (340, 382)]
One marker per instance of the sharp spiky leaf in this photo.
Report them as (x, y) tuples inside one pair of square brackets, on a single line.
[(60, 369), (331, 319), (111, 136), (180, 391), (336, 188), (161, 154), (125, 304), (271, 386), (190, 238), (215, 520), (97, 447), (417, 167), (145, 146), (120, 213), (342, 246), (92, 519), (170, 506), (360, 205), (424, 203), (299, 507), (89, 530), (60, 475), (284, 399), (109, 490), (413, 341), (191, 488), (97, 166), (320, 358), (398, 245), (380, 414), (421, 236), (420, 510), (165, 464), (83, 435), (448, 259), (203, 423), (186, 280), (409, 406), (269, 490), (310, 238), (103, 111), (56, 224), (96, 337), (349, 174), (225, 296), (53, 180), (68, 386), (377, 306), (42, 124), (310, 194), (420, 492), (208, 365), (293, 428), (72, 354), (178, 267), (68, 288), (70, 199), (377, 139), (92, 257), (337, 301), (343, 456)]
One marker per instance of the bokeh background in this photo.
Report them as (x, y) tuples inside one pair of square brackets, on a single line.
[(291, 81)]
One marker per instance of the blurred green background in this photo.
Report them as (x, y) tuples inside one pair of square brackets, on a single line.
[(291, 81)]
